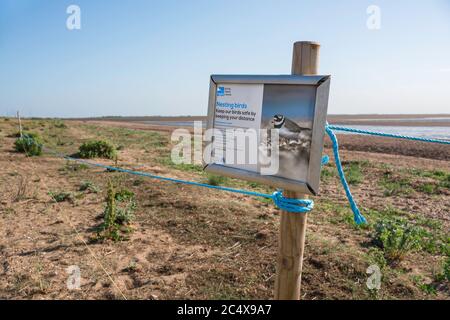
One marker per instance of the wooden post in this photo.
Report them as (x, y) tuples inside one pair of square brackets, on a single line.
[(20, 124), (291, 245)]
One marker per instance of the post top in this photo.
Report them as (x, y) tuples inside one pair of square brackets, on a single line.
[(314, 43)]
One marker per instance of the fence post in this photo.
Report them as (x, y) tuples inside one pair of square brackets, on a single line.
[(305, 61), (20, 124)]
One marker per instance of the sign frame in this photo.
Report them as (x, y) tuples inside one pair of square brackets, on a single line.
[(322, 86)]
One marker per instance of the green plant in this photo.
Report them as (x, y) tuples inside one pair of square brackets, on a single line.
[(252, 184), (429, 188), (395, 185), (444, 275), (97, 149), (427, 288), (396, 237), (446, 269), (61, 196), (74, 167), (59, 124), (127, 206), (138, 182), (353, 173), (167, 161), (118, 213), (89, 186), (21, 189), (377, 256), (30, 144), (215, 180), (327, 173)]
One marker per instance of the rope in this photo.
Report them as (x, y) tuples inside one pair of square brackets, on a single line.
[(384, 134), (286, 204), (357, 216)]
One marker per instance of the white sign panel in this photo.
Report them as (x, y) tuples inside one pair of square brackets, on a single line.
[(238, 106), (269, 129)]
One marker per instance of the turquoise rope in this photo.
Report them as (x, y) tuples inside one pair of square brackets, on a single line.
[(286, 204), (357, 216), (388, 135)]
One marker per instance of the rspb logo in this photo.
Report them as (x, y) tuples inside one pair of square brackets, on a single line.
[(222, 91)]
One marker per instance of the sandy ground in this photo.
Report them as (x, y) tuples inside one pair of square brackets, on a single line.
[(197, 243)]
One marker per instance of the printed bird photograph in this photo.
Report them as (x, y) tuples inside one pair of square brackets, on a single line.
[(290, 111)]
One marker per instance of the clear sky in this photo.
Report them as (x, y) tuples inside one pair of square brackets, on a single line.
[(143, 57)]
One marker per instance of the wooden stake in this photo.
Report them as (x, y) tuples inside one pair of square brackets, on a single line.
[(291, 245), (20, 124)]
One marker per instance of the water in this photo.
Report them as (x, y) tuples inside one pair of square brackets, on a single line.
[(418, 131), (431, 119), (423, 132)]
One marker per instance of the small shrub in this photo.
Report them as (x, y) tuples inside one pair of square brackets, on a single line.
[(30, 144), (118, 213), (445, 274), (216, 180), (445, 182), (61, 196), (127, 206), (396, 237), (429, 188), (138, 182), (327, 173), (395, 185), (97, 149), (377, 256), (252, 184), (427, 288), (74, 167), (124, 195), (21, 189), (167, 162), (89, 186), (353, 173), (59, 124)]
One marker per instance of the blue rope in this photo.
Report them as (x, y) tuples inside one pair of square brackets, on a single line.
[(383, 134), (357, 216), (286, 204)]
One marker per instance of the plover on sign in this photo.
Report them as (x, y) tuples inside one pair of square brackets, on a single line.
[(288, 129)]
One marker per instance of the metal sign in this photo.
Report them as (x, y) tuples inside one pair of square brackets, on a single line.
[(268, 129)]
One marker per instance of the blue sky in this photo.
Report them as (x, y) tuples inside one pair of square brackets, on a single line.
[(154, 57)]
